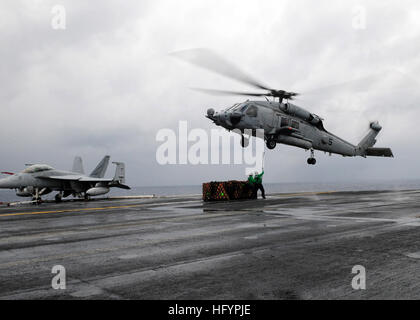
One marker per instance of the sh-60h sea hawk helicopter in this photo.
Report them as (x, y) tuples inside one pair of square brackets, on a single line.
[(282, 121)]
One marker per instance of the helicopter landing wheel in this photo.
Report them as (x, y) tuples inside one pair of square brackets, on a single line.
[(271, 144), (312, 161)]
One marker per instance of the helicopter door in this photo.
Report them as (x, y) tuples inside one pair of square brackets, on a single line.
[(252, 116), (277, 121)]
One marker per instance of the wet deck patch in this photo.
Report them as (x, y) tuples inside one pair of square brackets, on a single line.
[(414, 255)]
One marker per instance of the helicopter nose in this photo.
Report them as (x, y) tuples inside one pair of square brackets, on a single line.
[(216, 117), (210, 112)]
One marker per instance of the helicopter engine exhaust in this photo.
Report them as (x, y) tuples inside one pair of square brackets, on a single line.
[(301, 113)]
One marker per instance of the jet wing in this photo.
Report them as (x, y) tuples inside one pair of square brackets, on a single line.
[(89, 179), (66, 178), (75, 177)]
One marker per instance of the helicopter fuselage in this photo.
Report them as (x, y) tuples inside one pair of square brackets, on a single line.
[(285, 123)]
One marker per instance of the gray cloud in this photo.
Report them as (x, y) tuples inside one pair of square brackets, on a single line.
[(106, 84)]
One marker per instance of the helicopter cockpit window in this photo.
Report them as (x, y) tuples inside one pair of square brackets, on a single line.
[(252, 111), (243, 108), (233, 107)]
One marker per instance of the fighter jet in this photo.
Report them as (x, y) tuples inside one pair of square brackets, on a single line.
[(29, 191), (41, 179)]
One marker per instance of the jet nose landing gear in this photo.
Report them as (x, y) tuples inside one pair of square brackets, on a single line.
[(58, 197), (312, 160)]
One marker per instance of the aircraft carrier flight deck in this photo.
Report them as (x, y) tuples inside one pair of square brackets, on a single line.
[(290, 246)]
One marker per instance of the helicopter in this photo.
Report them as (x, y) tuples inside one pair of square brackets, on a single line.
[(282, 121)]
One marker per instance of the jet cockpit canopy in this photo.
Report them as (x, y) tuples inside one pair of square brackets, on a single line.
[(37, 168)]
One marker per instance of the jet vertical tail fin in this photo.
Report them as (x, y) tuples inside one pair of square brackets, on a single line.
[(78, 165), (119, 178), (365, 147), (119, 172), (99, 171)]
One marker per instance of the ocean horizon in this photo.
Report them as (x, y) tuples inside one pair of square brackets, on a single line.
[(284, 187)]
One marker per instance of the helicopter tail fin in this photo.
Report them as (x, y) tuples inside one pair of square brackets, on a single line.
[(365, 147), (369, 140)]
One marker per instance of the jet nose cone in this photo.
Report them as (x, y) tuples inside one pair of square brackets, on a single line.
[(8, 183), (4, 182)]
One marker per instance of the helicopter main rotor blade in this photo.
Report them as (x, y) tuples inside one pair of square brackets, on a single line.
[(230, 93), (366, 83), (273, 93), (209, 60), (355, 85)]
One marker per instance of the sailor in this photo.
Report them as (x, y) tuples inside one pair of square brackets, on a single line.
[(258, 184), (251, 184)]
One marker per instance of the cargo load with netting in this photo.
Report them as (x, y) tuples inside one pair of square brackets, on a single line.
[(228, 190)]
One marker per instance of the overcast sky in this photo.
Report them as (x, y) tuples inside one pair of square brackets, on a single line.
[(106, 84)]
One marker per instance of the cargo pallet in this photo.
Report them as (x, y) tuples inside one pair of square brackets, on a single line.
[(227, 191)]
